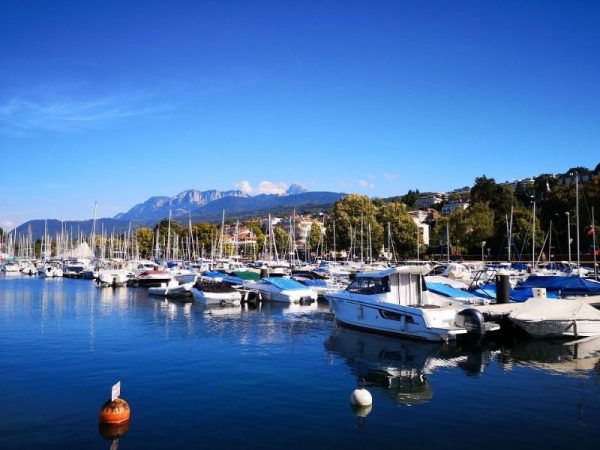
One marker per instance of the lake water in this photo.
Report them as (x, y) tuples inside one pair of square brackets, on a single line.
[(272, 377)]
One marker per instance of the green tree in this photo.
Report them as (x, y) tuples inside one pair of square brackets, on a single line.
[(352, 214), (404, 230), (315, 237), (260, 236), (479, 226), (205, 235), (282, 241), (410, 198), (144, 237)]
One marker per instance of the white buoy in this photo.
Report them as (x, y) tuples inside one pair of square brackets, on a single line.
[(360, 396)]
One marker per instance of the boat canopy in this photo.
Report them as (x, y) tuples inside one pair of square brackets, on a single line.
[(567, 285), (449, 291), (285, 283)]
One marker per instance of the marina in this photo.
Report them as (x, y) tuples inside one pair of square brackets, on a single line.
[(271, 374), (300, 225)]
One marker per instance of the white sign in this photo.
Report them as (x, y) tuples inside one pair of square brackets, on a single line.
[(116, 392)]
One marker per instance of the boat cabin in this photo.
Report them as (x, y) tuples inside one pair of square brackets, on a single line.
[(402, 286)]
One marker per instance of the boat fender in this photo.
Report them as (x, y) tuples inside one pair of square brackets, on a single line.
[(223, 303), (472, 320)]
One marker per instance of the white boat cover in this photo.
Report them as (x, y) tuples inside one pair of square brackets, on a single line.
[(540, 309)]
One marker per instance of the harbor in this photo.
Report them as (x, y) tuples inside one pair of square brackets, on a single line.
[(300, 225), (281, 373)]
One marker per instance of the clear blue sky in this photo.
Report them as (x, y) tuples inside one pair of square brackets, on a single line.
[(117, 101)]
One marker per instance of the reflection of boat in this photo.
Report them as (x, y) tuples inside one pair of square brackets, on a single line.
[(541, 317), (288, 308), (218, 310), (571, 357), (401, 366)]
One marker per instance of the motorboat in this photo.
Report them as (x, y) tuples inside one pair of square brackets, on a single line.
[(216, 293), (152, 278), (112, 278), (542, 317), (282, 289), (396, 301), (74, 268), (50, 270), (172, 289)]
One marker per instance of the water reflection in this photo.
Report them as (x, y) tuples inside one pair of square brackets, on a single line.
[(574, 358), (400, 366)]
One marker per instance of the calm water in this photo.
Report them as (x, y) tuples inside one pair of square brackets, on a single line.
[(269, 378)]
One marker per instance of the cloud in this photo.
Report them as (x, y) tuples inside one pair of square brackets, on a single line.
[(390, 176), (264, 187), (244, 186), (68, 109), (7, 224), (366, 184)]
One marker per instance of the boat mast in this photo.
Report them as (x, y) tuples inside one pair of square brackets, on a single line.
[(334, 248), (577, 214), (533, 238), (418, 243), (550, 244), (448, 238), (594, 245)]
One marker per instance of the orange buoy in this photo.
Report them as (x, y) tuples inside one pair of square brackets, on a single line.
[(115, 411)]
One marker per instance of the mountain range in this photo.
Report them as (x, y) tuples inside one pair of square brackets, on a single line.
[(200, 206)]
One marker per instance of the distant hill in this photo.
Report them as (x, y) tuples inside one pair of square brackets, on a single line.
[(204, 206), (261, 205), (156, 208)]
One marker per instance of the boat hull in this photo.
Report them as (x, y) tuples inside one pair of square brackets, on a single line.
[(389, 319), (217, 298)]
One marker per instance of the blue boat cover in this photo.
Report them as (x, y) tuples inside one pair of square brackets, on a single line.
[(567, 285), (214, 274), (448, 291), (516, 295), (285, 283)]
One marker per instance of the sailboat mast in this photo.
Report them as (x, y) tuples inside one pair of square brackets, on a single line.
[(594, 245), (533, 238), (577, 214), (448, 238)]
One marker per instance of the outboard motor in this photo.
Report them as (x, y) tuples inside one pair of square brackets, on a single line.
[(472, 320)]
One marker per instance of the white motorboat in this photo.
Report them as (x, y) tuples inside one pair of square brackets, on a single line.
[(10, 267), (541, 317), (172, 289), (112, 277), (50, 270), (396, 301), (282, 289), (216, 293)]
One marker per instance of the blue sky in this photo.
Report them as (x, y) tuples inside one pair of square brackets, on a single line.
[(118, 101)]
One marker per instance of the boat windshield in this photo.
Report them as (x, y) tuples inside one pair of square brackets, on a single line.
[(370, 286)]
